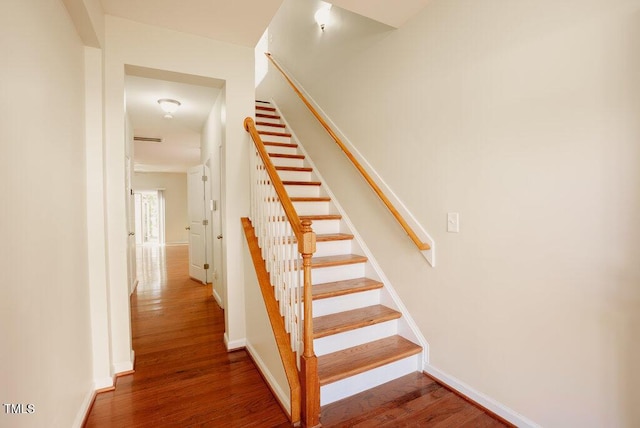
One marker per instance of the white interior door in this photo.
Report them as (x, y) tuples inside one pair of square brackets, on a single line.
[(208, 247), (216, 196), (197, 224)]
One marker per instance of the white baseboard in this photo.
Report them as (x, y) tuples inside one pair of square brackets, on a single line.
[(124, 366), (217, 297), (480, 398), (103, 383), (281, 396), (234, 345), (175, 244), (133, 288), (83, 411)]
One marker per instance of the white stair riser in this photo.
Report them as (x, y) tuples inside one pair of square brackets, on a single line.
[(275, 138), (350, 386), (267, 119), (347, 302), (348, 339), (265, 112), (281, 150), (302, 191), (332, 248), (298, 163), (294, 175), (311, 208), (272, 127), (325, 226), (337, 273)]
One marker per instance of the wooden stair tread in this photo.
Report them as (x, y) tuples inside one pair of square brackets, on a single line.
[(340, 260), (327, 237), (408, 391), (275, 125), (275, 134), (276, 144), (281, 155), (341, 288), (265, 108), (310, 199), (267, 116), (301, 183), (350, 320), (294, 168), (358, 359), (320, 217)]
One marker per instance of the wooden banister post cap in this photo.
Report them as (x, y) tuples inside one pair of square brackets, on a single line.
[(308, 243)]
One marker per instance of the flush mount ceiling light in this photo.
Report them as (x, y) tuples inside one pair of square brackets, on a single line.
[(169, 106), (322, 16)]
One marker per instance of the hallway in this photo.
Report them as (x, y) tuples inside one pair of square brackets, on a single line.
[(183, 374)]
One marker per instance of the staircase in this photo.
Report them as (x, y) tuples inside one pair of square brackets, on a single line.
[(360, 337)]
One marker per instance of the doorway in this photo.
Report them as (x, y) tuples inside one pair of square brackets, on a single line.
[(150, 213)]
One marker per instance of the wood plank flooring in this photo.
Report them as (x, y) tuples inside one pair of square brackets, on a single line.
[(414, 400), (184, 377)]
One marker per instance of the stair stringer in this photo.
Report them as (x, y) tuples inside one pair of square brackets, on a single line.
[(406, 325)]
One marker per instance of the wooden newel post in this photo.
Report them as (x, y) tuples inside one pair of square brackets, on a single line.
[(309, 363)]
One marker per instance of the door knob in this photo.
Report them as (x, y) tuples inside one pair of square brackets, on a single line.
[(219, 236), (131, 233), (187, 228)]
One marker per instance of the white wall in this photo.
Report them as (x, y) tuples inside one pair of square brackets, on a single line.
[(175, 194), (522, 117), (152, 47), (45, 322), (96, 221)]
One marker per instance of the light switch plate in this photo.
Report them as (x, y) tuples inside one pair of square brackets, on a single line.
[(453, 222)]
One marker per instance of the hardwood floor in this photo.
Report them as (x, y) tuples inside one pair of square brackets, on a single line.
[(183, 374), (414, 400), (184, 377)]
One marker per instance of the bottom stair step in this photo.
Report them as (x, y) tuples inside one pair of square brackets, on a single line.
[(413, 400), (349, 362)]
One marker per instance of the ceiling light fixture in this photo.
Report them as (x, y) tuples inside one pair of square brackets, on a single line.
[(169, 106), (322, 16)]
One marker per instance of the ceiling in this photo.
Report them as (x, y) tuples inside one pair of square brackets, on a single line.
[(240, 22), (180, 146), (391, 12)]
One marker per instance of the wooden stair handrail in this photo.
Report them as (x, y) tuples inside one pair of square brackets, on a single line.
[(422, 246)]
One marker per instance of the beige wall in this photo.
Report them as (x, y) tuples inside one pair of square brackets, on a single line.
[(175, 194), (522, 117), (44, 292), (261, 342)]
